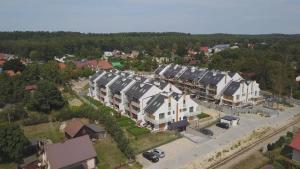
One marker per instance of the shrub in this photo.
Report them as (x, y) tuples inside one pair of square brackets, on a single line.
[(202, 115), (35, 118)]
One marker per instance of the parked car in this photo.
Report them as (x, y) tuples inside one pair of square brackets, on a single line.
[(206, 132), (150, 156), (159, 153), (223, 125)]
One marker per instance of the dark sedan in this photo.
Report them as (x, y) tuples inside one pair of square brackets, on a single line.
[(151, 156)]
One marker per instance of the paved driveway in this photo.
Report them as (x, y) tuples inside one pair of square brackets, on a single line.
[(182, 152)]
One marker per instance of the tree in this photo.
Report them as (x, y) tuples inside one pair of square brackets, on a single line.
[(12, 142), (50, 72), (46, 98), (14, 64)]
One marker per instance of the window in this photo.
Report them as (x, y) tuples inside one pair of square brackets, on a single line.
[(237, 97), (183, 110), (173, 120), (179, 118), (169, 104), (161, 115), (169, 113), (184, 101), (191, 109), (173, 112), (255, 93)]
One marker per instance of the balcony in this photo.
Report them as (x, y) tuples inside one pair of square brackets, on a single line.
[(152, 120), (117, 96), (136, 104), (103, 89)]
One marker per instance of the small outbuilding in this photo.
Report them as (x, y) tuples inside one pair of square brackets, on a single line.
[(231, 120), (75, 128)]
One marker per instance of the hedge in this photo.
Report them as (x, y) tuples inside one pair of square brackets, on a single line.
[(137, 131)]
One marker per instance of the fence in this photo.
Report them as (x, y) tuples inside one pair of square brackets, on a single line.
[(235, 111)]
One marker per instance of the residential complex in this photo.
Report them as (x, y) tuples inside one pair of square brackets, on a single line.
[(150, 102), (220, 87)]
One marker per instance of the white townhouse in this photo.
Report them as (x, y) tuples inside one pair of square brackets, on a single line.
[(102, 86), (117, 92), (93, 83), (210, 85), (167, 108), (241, 93), (164, 85), (136, 98)]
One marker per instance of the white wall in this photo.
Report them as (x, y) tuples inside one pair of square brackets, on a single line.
[(91, 163)]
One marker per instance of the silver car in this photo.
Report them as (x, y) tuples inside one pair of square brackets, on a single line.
[(159, 153)]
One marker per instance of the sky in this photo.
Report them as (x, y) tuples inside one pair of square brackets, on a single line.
[(189, 16)]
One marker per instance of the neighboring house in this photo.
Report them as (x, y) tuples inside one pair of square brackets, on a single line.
[(104, 65), (220, 47), (162, 60), (204, 49), (231, 120), (295, 145), (31, 88), (73, 153), (166, 108), (74, 128)]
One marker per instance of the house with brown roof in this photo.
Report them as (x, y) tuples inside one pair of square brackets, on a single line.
[(295, 145), (76, 153), (104, 65), (75, 128)]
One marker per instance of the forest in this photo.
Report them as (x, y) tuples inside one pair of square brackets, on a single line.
[(274, 59)]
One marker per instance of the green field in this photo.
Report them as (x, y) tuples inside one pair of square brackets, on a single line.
[(45, 130)]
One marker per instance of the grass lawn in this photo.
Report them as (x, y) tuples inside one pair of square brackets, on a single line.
[(150, 141), (254, 161), (110, 156), (45, 130)]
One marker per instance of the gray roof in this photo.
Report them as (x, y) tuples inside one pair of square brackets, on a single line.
[(118, 85), (105, 79), (211, 78), (232, 88), (159, 69), (191, 74), (96, 75), (159, 83), (176, 96), (172, 71), (123, 74), (140, 78), (137, 90), (70, 152), (154, 103), (95, 128)]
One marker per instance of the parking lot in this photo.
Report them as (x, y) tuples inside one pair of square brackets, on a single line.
[(184, 152)]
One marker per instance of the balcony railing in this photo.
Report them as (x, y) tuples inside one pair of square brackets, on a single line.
[(157, 122), (135, 104)]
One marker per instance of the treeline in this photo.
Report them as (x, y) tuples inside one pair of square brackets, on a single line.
[(46, 45)]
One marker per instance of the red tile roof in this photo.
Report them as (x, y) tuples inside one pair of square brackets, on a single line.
[(62, 66), (73, 126), (2, 62), (30, 87), (10, 73), (295, 144), (104, 65), (204, 48), (92, 63)]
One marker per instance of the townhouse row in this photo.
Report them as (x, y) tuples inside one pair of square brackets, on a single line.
[(153, 103), (223, 88)]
